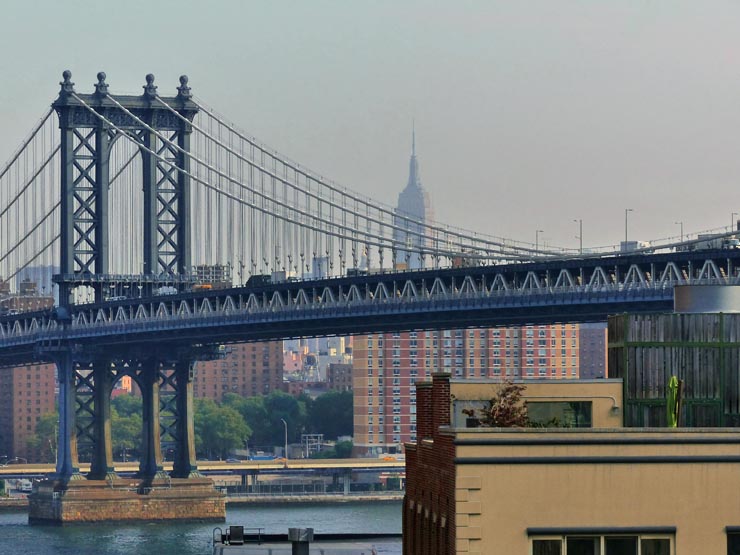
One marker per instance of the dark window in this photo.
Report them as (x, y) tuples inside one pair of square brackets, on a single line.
[(547, 547), (733, 544), (621, 545), (583, 546), (552, 414), (661, 546)]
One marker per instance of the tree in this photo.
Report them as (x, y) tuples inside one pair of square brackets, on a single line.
[(331, 414), (505, 409), (126, 433), (281, 406), (219, 429), (254, 413), (44, 440), (343, 449), (127, 404), (126, 425)]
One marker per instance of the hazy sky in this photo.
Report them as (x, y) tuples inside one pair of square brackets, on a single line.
[(529, 114)]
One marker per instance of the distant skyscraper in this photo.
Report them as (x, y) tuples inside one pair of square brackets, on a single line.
[(414, 204)]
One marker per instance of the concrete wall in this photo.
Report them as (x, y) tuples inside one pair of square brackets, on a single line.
[(510, 481)]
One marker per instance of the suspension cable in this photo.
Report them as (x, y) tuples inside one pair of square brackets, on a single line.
[(365, 200), (383, 241), (395, 215), (26, 142)]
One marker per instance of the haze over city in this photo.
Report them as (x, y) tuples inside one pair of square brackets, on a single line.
[(528, 115)]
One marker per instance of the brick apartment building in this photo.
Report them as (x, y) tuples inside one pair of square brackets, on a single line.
[(248, 369), (385, 367), (26, 394), (339, 376)]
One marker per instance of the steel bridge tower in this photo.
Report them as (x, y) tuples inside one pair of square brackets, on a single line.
[(86, 143), (90, 124)]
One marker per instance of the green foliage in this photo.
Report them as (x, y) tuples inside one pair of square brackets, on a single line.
[(331, 414), (44, 439), (127, 404), (263, 415), (126, 434), (219, 429), (343, 449)]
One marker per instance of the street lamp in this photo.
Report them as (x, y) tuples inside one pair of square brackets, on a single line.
[(537, 240), (626, 211), (580, 234), (732, 220), (681, 224), (286, 440)]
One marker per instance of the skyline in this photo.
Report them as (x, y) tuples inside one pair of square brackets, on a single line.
[(527, 117)]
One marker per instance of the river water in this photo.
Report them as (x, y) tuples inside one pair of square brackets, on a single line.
[(16, 536)]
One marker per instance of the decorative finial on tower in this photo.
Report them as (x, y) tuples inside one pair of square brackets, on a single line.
[(413, 137), (183, 91), (150, 89), (413, 163), (101, 87), (68, 87)]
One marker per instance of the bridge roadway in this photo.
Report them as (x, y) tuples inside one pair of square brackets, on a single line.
[(13, 471), (569, 290)]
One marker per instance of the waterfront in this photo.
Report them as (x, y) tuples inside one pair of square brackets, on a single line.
[(195, 538)]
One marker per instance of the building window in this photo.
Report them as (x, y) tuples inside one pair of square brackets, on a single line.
[(733, 541), (560, 414), (621, 544)]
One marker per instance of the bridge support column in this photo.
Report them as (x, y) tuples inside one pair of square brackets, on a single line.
[(151, 459), (347, 481), (68, 467), (101, 465), (184, 465)]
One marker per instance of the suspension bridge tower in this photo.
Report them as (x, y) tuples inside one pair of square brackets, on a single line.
[(160, 127)]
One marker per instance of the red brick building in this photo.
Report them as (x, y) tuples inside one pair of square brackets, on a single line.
[(429, 505), (248, 369), (26, 394)]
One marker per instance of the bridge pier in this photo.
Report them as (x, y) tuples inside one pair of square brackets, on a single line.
[(151, 495), (151, 467), (68, 466), (101, 464), (184, 465)]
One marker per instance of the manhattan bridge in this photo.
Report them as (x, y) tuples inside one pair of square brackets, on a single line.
[(133, 199)]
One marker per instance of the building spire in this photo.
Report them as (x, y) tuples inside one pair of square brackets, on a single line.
[(413, 164), (413, 137)]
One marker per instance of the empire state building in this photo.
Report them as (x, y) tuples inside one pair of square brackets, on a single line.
[(413, 212)]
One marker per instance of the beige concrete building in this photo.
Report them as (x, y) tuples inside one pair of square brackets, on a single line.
[(599, 490)]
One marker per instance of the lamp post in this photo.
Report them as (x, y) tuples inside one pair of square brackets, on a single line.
[(580, 234), (537, 240), (681, 224), (626, 212), (732, 220), (286, 440)]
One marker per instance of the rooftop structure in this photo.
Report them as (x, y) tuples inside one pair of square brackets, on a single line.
[(566, 491)]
